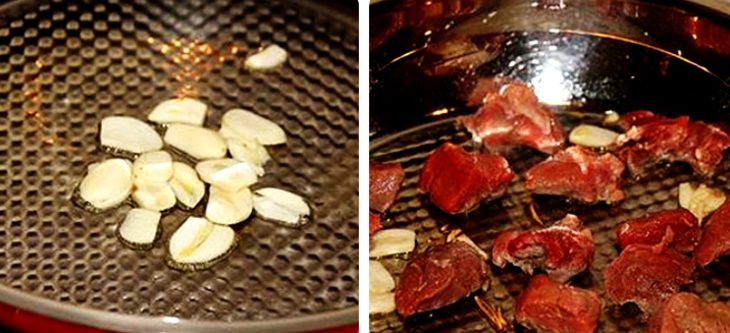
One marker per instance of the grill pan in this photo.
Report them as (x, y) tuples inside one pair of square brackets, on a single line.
[(64, 65), (583, 58)]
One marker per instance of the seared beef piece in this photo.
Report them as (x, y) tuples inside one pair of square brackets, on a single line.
[(650, 229), (375, 224), (385, 182), (686, 313), (562, 250), (513, 116), (551, 307), (715, 240), (699, 144), (439, 277), (647, 275), (456, 180), (484, 87), (638, 118), (579, 173)]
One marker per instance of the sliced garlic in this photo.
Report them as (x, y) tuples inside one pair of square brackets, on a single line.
[(140, 228), (107, 184), (380, 279), (382, 303), (196, 141), (279, 205), (157, 196), (228, 207), (250, 152), (592, 136), (247, 125), (392, 241), (129, 134), (179, 110), (154, 166), (700, 200), (270, 57), (186, 185), (191, 233), (201, 245), (227, 174)]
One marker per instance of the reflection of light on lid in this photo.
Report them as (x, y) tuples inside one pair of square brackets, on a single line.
[(550, 86), (439, 112), (170, 320)]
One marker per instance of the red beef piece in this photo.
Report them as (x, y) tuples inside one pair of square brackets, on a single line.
[(439, 277), (375, 224), (650, 229), (646, 275), (551, 307), (699, 144), (513, 116), (456, 180), (578, 173), (715, 240), (686, 313), (638, 118), (385, 182), (562, 250)]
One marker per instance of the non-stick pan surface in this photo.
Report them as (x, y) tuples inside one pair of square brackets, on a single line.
[(583, 58), (64, 65)]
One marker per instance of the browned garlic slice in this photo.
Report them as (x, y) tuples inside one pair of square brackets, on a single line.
[(179, 110), (188, 188), (199, 243), (700, 200), (228, 207), (157, 196), (140, 228), (153, 166), (107, 184), (188, 237), (592, 136), (270, 57), (246, 125), (380, 279), (250, 152), (279, 205), (227, 174), (196, 141), (129, 134), (388, 242)]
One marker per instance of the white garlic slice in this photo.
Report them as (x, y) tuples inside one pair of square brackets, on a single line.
[(140, 228), (228, 207), (270, 57), (227, 174), (196, 141), (250, 152), (157, 196), (382, 303), (220, 242), (279, 205), (129, 134), (107, 184), (592, 136), (392, 241), (186, 185), (179, 110), (247, 125), (380, 279), (153, 166), (700, 200), (188, 237)]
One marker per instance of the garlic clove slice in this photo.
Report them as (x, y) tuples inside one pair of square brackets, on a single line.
[(219, 242), (268, 58), (227, 174), (592, 136), (153, 166), (247, 125), (129, 135), (382, 303), (700, 200), (392, 241), (106, 184), (380, 279), (188, 237), (179, 110), (186, 185), (198, 142), (228, 207), (140, 228), (279, 205), (250, 152), (157, 196)]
